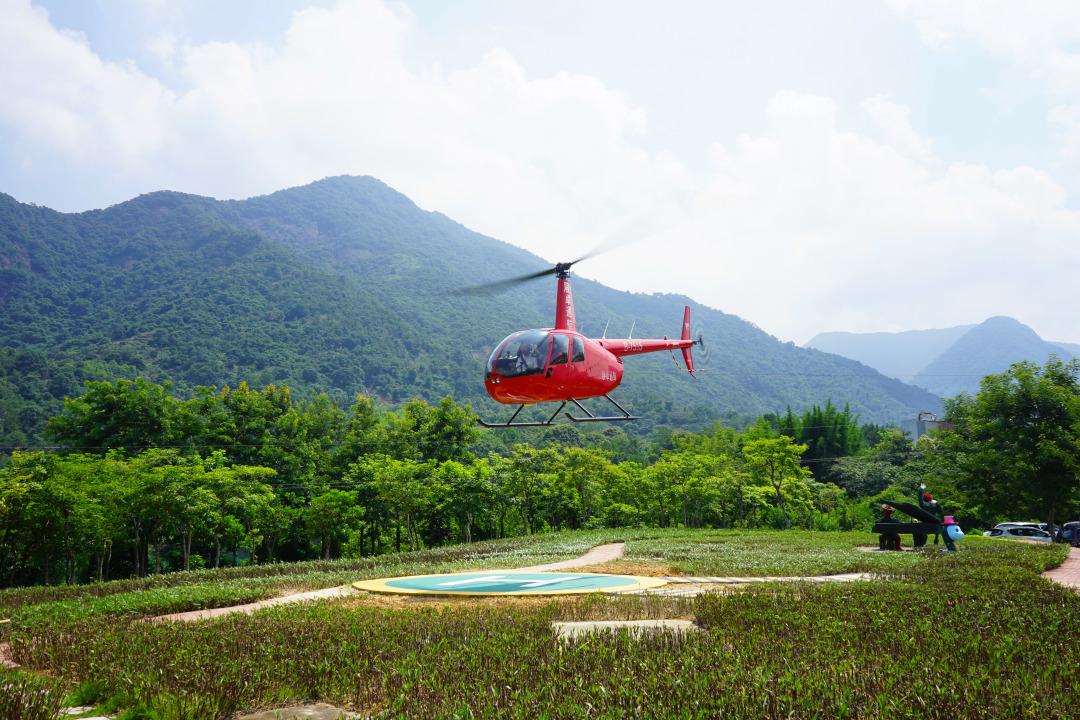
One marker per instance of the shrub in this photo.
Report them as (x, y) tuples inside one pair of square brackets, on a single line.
[(25, 696)]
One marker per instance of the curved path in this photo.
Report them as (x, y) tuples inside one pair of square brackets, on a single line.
[(599, 554), (1068, 572), (249, 608)]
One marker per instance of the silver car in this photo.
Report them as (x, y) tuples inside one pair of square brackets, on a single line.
[(1020, 532)]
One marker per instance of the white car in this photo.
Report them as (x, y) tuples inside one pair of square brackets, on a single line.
[(1021, 523), (1013, 531)]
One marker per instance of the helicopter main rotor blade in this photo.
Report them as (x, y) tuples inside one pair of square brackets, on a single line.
[(644, 225), (494, 288), (499, 286)]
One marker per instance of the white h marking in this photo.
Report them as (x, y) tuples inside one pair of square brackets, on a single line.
[(541, 583), (470, 581)]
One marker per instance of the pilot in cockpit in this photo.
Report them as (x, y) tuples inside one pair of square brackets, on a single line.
[(530, 353)]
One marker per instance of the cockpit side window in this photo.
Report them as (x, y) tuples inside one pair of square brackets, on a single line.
[(579, 349), (522, 353), (560, 349)]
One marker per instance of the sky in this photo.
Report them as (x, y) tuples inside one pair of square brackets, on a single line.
[(839, 165)]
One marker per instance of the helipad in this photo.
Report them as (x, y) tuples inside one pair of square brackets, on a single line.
[(509, 582)]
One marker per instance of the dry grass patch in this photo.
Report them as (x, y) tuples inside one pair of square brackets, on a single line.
[(638, 568), (417, 602)]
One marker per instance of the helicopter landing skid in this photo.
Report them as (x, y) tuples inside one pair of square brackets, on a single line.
[(511, 424), (551, 420), (609, 418)]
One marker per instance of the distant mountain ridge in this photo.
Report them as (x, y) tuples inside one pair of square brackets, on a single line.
[(1071, 348), (947, 361), (900, 355), (344, 286)]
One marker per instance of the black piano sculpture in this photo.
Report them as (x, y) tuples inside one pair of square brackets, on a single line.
[(930, 519)]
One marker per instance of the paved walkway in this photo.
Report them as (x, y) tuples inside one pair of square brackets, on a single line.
[(1068, 572), (575, 630), (599, 554), (737, 580), (5, 657), (318, 711), (192, 615), (690, 586)]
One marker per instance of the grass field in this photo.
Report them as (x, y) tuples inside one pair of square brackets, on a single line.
[(765, 553), (974, 635)]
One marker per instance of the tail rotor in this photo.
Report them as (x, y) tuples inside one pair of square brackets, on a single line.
[(701, 352)]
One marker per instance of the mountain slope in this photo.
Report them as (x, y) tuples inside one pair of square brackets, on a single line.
[(900, 355), (342, 286), (989, 347), (1072, 349)]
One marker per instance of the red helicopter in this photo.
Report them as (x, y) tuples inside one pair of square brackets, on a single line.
[(560, 364)]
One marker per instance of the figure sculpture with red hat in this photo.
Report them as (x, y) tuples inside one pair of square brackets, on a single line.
[(931, 519), (888, 540), (950, 530), (930, 505)]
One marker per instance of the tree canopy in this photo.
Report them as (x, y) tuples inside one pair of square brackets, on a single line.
[(1016, 443), (145, 482)]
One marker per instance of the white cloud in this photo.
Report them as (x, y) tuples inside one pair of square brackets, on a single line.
[(833, 216), (57, 93), (812, 225), (1065, 120), (1041, 36), (503, 152)]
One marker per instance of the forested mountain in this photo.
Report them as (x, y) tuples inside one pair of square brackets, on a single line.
[(989, 347), (949, 360), (343, 286), (900, 355)]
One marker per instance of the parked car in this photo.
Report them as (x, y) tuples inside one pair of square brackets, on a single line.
[(1022, 523), (1070, 533), (1020, 532)]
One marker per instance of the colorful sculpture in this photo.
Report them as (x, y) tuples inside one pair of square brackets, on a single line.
[(888, 540), (931, 520), (952, 534)]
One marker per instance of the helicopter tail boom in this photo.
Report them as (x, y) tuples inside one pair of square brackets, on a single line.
[(635, 346)]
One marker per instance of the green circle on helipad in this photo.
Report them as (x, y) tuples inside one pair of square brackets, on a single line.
[(508, 582)]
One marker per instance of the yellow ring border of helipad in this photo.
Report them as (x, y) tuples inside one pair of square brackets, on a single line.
[(380, 585)]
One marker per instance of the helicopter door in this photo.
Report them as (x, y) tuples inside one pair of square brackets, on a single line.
[(560, 351)]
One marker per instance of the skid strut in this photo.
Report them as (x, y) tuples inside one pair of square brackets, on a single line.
[(609, 418), (538, 423)]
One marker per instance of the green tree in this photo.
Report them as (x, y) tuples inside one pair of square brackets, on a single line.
[(424, 432), (330, 515), (465, 491), (242, 498), (776, 459), (123, 414), (687, 481), (403, 485), (526, 480), (1017, 441)]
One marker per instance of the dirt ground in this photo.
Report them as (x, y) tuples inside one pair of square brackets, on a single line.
[(630, 567)]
